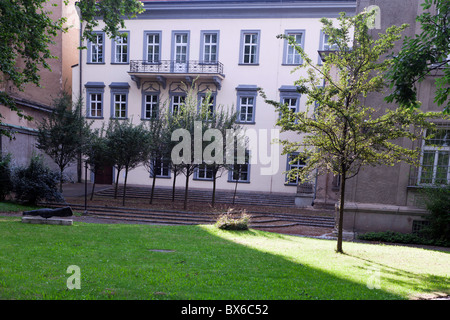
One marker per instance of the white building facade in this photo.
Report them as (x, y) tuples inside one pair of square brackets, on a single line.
[(230, 48)]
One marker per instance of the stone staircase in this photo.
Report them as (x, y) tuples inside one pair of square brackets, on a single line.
[(174, 217), (226, 197)]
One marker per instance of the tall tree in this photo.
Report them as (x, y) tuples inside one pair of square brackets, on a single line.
[(27, 33), (127, 147), (426, 53), (342, 134), (63, 134)]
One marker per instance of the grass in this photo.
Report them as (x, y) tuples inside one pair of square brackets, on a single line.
[(125, 261)]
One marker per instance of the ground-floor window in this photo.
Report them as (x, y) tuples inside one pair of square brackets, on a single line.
[(293, 167)]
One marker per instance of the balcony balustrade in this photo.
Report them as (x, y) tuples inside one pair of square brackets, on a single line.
[(141, 69)]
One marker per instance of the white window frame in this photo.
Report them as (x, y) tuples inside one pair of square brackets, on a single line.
[(95, 105), (176, 102), (151, 107), (155, 55), (438, 151), (202, 171), (121, 49), (244, 93), (291, 56), (206, 47), (289, 166), (246, 165), (94, 89), (96, 50), (249, 50), (164, 166)]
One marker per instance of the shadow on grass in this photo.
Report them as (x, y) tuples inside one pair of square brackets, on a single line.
[(129, 262)]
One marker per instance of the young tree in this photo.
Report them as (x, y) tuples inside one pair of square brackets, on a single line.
[(63, 134), (96, 152), (343, 134), (127, 146), (27, 33), (189, 126), (159, 142), (223, 123), (427, 53)]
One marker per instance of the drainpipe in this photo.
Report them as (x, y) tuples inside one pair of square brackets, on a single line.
[(80, 72)]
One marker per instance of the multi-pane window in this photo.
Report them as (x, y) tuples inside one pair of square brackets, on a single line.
[(324, 44), (95, 105), (177, 103), (435, 166), (246, 109), (161, 168), (291, 56), (96, 49), (150, 106), (153, 47), (240, 172), (210, 44), (181, 46), (120, 105), (94, 99), (293, 167), (204, 172), (120, 49), (249, 47), (207, 102), (291, 103), (246, 100)]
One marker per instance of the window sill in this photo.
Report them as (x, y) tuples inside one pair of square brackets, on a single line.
[(160, 177), (114, 118), (233, 181), (248, 64), (249, 123), (120, 63), (203, 179), (94, 118), (94, 63)]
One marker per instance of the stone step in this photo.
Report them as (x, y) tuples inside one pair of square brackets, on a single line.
[(260, 219), (250, 198)]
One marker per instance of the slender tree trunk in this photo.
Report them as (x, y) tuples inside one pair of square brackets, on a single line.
[(173, 185), (125, 186), (61, 180), (235, 189), (117, 184), (93, 187), (214, 189), (153, 188), (186, 189), (341, 213)]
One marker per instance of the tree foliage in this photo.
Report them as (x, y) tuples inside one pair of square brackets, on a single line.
[(343, 134), (127, 146), (27, 32), (62, 135), (427, 53)]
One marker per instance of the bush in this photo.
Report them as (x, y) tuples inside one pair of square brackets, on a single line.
[(227, 221), (437, 202), (404, 238), (6, 185), (36, 182)]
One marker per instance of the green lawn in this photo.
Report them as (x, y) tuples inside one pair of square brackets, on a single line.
[(117, 261)]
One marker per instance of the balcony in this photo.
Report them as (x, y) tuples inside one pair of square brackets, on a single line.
[(141, 70)]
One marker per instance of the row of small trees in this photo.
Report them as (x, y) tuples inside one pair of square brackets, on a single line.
[(124, 145)]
